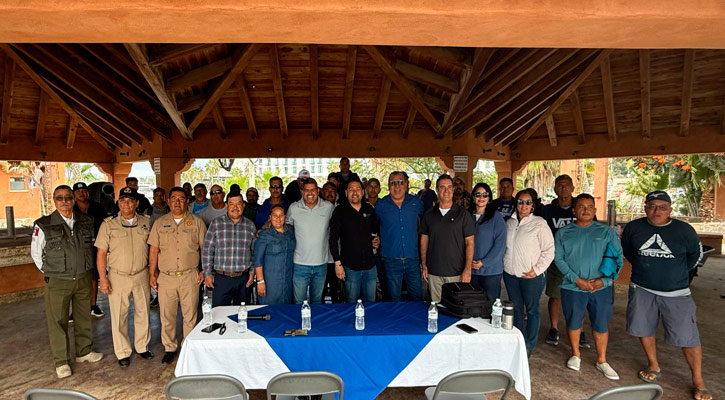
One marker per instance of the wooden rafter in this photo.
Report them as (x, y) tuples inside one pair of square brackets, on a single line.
[(246, 106), (644, 90), (454, 55), (469, 80), (42, 118), (173, 52), (382, 106), (514, 133), (593, 65), (71, 134), (687, 83), (349, 86), (278, 91), (198, 75), (551, 130), (241, 58), (314, 91), (405, 87), (535, 82), (109, 133), (436, 103), (108, 56), (500, 58), (426, 77), (191, 103), (54, 95), (576, 110), (154, 80), (8, 91), (609, 99), (216, 113), (409, 120)]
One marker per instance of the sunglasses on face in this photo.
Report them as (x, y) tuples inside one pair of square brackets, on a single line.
[(397, 183), (527, 202), (653, 207), (63, 198), (217, 192), (480, 194), (275, 186)]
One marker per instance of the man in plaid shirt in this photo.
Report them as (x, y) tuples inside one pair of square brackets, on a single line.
[(227, 254)]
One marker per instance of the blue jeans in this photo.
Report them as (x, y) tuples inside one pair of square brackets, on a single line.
[(360, 284), (310, 277), (526, 293), (397, 269), (490, 283)]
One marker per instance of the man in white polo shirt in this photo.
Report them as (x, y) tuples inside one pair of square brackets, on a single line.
[(311, 218)]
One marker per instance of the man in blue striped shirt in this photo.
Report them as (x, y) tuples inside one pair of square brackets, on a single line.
[(227, 254)]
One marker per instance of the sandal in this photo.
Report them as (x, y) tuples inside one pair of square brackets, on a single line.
[(644, 373), (698, 394)]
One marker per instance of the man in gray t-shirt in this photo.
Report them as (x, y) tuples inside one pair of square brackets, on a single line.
[(310, 218)]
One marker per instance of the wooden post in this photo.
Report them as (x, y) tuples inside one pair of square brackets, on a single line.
[(720, 198), (601, 177)]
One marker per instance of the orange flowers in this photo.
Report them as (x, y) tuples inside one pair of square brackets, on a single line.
[(686, 167), (641, 165), (678, 163)]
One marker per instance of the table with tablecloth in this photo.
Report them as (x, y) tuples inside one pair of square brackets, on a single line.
[(395, 349)]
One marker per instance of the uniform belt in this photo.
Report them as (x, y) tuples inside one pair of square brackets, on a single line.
[(177, 273), (231, 274), (115, 271)]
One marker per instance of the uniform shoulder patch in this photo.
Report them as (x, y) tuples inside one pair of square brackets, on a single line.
[(107, 219)]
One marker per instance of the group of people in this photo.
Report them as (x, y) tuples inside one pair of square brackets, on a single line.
[(307, 241)]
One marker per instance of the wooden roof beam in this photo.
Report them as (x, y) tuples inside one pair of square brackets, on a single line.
[(172, 52), (109, 132), (54, 95), (409, 120), (71, 133), (8, 91), (551, 130), (278, 90), (518, 131), (246, 106), (349, 86), (469, 80), (594, 64), (198, 76), (138, 54), (454, 55), (644, 90), (427, 77), (109, 57), (314, 91), (191, 103), (405, 87), (216, 113), (42, 118), (382, 106), (436, 103), (609, 99), (576, 110), (687, 83)]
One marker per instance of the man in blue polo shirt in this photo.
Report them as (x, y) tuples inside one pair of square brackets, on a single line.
[(399, 213)]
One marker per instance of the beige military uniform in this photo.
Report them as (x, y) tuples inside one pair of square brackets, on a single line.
[(128, 274), (179, 247)]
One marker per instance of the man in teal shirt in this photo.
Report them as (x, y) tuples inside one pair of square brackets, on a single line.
[(580, 248)]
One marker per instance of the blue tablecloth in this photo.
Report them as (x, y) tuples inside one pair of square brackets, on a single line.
[(367, 360)]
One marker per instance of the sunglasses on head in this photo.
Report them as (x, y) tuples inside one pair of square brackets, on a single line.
[(527, 202), (480, 194)]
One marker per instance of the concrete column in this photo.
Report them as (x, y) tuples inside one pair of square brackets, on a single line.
[(169, 172), (509, 169), (571, 168), (446, 163), (720, 198), (601, 178), (116, 173)]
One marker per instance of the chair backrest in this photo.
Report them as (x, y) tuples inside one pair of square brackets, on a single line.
[(205, 387), (474, 382), (649, 391), (56, 394), (304, 383)]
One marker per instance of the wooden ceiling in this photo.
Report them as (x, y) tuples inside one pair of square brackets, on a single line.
[(120, 95)]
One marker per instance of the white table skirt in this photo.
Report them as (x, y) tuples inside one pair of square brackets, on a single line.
[(249, 358)]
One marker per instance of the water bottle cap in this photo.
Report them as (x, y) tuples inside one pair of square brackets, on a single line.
[(359, 300), (304, 302), (243, 303)]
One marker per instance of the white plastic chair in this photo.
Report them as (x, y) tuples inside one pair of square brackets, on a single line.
[(56, 394), (205, 387), (289, 385), (469, 385), (649, 391)]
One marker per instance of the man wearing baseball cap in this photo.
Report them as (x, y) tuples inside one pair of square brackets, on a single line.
[(293, 191), (662, 251)]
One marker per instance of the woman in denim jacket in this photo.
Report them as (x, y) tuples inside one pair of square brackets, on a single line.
[(273, 252)]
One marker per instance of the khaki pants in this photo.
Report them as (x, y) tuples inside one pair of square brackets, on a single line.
[(435, 283), (58, 296), (174, 291), (123, 287)]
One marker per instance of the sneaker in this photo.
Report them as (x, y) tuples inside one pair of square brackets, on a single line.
[(63, 371), (552, 337), (96, 311), (583, 342), (574, 363), (608, 371), (155, 301), (70, 319), (90, 357)]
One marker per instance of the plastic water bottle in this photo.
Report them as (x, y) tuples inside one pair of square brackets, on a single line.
[(433, 318), (359, 315), (496, 313), (306, 316), (206, 309), (242, 318)]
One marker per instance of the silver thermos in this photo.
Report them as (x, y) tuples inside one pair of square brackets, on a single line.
[(507, 320)]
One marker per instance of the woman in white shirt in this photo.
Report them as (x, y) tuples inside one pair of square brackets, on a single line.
[(529, 251)]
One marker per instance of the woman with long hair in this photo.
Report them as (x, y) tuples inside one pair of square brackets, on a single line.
[(273, 253), (490, 241), (529, 251)]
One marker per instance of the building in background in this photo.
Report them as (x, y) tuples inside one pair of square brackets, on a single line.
[(21, 186)]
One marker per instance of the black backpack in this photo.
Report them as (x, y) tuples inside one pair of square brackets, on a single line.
[(465, 300)]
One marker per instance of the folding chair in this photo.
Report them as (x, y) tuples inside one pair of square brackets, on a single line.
[(289, 385), (463, 384), (205, 387), (56, 394), (649, 391)]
